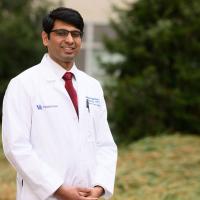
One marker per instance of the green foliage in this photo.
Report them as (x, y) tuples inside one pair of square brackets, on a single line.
[(20, 46), (156, 83)]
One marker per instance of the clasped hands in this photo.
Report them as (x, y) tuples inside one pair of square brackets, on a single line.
[(77, 193)]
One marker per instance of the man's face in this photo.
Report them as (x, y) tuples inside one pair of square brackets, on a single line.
[(63, 47)]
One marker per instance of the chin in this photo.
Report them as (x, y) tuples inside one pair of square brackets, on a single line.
[(67, 60)]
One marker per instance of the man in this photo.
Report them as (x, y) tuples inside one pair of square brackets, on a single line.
[(55, 130)]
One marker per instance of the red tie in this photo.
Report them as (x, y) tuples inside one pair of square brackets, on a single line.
[(70, 89)]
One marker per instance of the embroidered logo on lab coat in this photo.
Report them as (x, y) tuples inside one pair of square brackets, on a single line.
[(42, 107)]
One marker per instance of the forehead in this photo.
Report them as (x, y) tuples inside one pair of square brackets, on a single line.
[(58, 24)]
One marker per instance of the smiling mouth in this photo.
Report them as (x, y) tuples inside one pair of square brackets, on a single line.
[(68, 49)]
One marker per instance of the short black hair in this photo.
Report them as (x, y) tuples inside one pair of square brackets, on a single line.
[(67, 15)]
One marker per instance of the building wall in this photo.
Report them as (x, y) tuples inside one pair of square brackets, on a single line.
[(98, 11)]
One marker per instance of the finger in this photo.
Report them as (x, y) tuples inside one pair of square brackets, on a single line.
[(84, 190), (89, 198), (83, 194)]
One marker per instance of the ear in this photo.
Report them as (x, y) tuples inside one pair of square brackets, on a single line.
[(45, 38)]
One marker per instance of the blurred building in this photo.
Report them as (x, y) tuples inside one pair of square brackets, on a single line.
[(97, 15)]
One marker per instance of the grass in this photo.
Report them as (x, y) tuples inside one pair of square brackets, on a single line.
[(7, 178), (155, 168), (161, 168)]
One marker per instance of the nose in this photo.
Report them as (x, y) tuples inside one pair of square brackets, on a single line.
[(69, 38)]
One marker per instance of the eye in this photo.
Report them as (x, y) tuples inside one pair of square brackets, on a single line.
[(61, 32), (75, 34), (64, 33)]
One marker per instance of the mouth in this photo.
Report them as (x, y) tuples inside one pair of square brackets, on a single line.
[(67, 49)]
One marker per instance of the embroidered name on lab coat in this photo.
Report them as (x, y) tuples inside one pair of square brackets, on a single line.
[(93, 101)]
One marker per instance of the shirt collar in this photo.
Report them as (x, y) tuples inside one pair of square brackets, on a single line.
[(56, 71)]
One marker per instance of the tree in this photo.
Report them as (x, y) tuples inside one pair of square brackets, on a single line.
[(20, 46), (155, 85)]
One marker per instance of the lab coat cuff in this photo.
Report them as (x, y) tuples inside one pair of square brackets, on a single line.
[(50, 189)]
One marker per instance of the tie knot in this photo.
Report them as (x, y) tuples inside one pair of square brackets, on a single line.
[(68, 76)]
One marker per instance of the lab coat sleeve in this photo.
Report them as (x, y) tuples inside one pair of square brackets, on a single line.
[(16, 130), (106, 152)]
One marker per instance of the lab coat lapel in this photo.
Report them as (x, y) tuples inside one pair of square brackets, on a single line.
[(54, 79), (59, 86), (81, 92)]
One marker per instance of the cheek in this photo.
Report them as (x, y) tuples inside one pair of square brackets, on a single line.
[(78, 45), (53, 50), (54, 42), (54, 45)]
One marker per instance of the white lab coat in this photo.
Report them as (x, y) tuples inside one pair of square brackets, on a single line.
[(46, 142)]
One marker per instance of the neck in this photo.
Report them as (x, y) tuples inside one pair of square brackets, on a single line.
[(64, 64), (67, 65)]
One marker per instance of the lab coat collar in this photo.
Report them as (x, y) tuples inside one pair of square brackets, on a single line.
[(53, 71)]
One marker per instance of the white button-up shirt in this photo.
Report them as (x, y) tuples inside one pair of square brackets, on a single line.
[(44, 139)]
